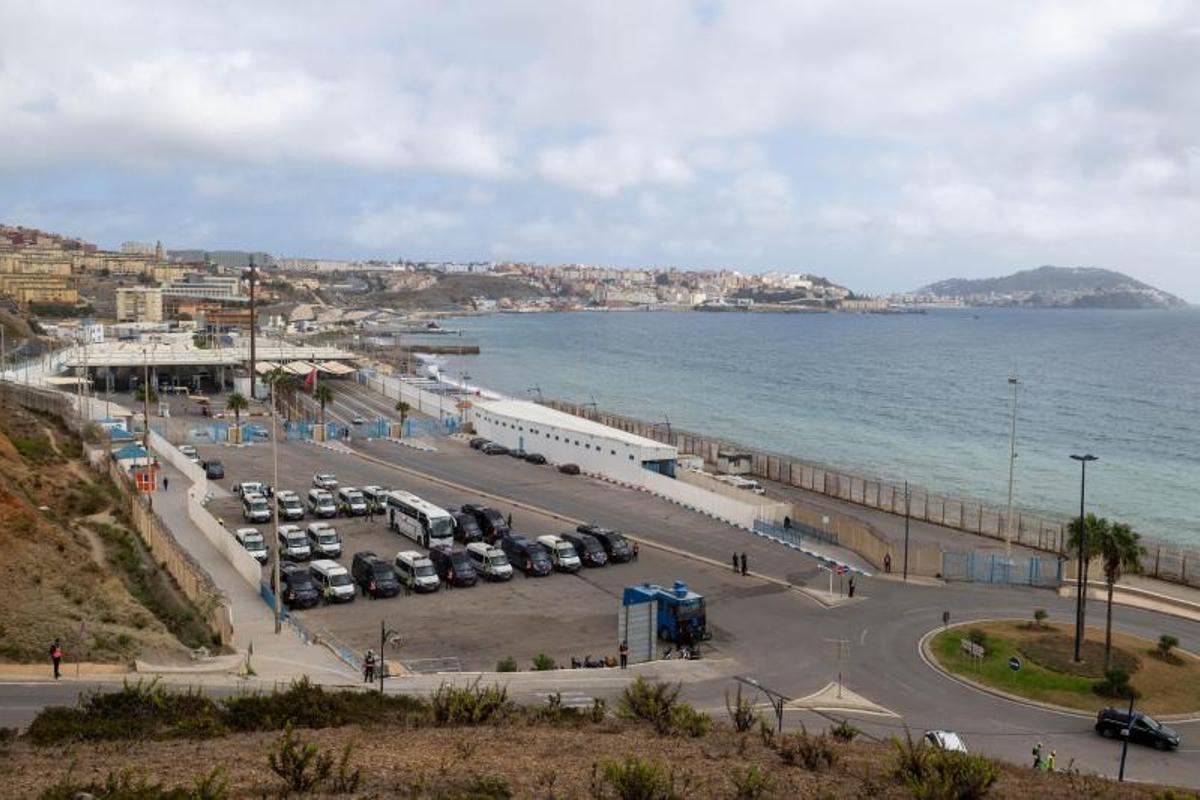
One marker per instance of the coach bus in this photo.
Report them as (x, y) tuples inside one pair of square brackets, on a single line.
[(421, 521)]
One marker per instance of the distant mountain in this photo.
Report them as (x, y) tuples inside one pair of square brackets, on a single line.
[(1056, 287)]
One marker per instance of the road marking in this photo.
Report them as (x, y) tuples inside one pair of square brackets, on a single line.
[(862, 640)]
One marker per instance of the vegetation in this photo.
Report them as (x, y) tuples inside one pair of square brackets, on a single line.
[(812, 751), (507, 664), (1039, 617), (237, 403), (742, 713), (844, 731), (323, 395), (470, 705), (639, 779), (129, 785), (1116, 685), (935, 774), (544, 663), (1167, 643), (402, 408)]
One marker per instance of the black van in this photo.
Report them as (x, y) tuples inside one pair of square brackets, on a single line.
[(590, 551), (490, 521), (297, 586), (466, 529), (614, 544), (529, 557), (453, 566), (374, 576)]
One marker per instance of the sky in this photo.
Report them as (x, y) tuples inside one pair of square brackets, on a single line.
[(885, 145)]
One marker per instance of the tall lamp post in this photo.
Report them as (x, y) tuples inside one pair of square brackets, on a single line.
[(275, 488), (1080, 588), (1012, 467)]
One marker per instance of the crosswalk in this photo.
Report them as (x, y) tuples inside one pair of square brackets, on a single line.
[(568, 699)]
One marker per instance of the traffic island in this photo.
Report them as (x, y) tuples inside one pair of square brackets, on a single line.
[(1035, 662)]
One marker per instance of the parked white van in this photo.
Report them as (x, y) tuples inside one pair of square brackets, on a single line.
[(333, 580), (289, 505), (351, 501), (252, 541), (489, 561), (562, 553), (321, 504), (255, 508), (416, 571), (323, 540), (293, 544)]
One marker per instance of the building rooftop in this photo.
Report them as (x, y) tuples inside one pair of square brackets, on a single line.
[(180, 349), (542, 415)]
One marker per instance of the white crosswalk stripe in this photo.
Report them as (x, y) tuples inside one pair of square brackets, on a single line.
[(569, 699)]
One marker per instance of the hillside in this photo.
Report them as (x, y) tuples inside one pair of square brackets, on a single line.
[(456, 291), (1049, 287), (70, 568)]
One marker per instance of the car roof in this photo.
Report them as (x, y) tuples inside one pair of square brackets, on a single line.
[(244, 531)]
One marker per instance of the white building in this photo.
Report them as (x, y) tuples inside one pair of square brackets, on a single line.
[(567, 439)]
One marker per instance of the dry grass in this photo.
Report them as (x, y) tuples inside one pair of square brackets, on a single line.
[(536, 761)]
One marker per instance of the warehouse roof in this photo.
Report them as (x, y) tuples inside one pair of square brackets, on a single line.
[(543, 415)]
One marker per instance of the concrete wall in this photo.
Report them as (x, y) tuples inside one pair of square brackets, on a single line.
[(723, 508), (423, 402), (768, 510), (170, 453), (224, 541)]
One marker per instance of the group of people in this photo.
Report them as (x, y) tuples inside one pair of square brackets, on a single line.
[(739, 563), (1045, 764)]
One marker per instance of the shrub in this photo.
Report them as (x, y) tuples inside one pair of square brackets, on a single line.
[(638, 779), (1167, 643), (346, 780), (977, 636), (932, 774), (299, 764), (687, 721), (1116, 685), (599, 710), (469, 705), (543, 663), (750, 783), (650, 702), (141, 710), (128, 785), (506, 664), (766, 733), (1039, 617), (844, 731), (813, 752), (486, 787), (742, 712)]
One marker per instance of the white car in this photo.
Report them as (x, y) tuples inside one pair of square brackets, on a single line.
[(190, 453), (252, 540), (325, 480), (946, 740)]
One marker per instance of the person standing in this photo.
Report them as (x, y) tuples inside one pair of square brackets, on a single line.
[(166, 483), (509, 521), (743, 563), (624, 651), (635, 551), (887, 563), (1037, 756), (1050, 761), (369, 666), (735, 563), (852, 586), (56, 655)]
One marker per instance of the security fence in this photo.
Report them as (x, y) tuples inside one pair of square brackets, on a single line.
[(997, 568)]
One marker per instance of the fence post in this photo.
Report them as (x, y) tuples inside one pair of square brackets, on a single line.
[(1157, 554)]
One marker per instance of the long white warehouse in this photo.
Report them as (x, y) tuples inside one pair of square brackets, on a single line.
[(567, 439)]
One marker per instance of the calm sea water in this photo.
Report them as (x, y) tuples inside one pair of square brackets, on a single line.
[(917, 397)]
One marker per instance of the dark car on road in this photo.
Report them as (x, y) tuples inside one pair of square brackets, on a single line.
[(518, 453), (1113, 722), (478, 442), (529, 557), (466, 529), (491, 522), (590, 551), (568, 469), (373, 575), (535, 458), (213, 470), (453, 566), (493, 449), (297, 586), (614, 544)]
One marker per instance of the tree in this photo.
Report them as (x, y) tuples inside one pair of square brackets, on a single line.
[(1120, 551), (1167, 643), (1091, 525), (323, 395), (237, 403), (284, 385), (402, 408)]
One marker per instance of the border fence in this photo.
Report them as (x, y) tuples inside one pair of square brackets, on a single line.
[(995, 568)]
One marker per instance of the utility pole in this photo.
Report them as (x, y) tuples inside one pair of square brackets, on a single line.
[(275, 488), (253, 325), (146, 400), (1012, 466), (907, 517)]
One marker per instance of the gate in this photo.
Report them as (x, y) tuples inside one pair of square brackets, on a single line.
[(374, 430), (298, 430), (429, 428), (994, 568)]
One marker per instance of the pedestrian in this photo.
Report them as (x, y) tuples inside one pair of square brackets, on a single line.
[(510, 521), (852, 586), (369, 666), (56, 655), (787, 523), (624, 651), (370, 589), (370, 512), (887, 562), (1050, 761), (735, 563), (743, 563), (327, 594), (1037, 756), (166, 483), (635, 551)]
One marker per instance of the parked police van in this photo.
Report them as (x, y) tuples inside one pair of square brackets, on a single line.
[(376, 497), (562, 553), (333, 580), (351, 502), (252, 541), (288, 505), (321, 504), (490, 562), (416, 571), (255, 508), (323, 540), (293, 544)]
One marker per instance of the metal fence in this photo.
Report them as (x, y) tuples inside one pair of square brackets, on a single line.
[(996, 568), (798, 533), (430, 428)]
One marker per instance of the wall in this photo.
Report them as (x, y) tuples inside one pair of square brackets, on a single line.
[(768, 510), (723, 508), (423, 402), (223, 540), (169, 452)]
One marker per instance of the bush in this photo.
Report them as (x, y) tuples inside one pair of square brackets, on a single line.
[(543, 663), (932, 774), (977, 636), (1116, 685), (804, 749), (1039, 617), (469, 705), (687, 721), (299, 764), (844, 731), (638, 779), (750, 783), (128, 785), (742, 712), (650, 702), (1167, 643), (506, 664)]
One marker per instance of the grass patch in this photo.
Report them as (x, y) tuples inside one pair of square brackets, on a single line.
[(1164, 688)]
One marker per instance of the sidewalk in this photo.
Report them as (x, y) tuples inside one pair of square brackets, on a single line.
[(279, 656)]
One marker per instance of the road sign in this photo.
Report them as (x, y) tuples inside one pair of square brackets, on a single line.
[(841, 570), (972, 649), (1014, 664)]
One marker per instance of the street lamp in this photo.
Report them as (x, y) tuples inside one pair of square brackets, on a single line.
[(777, 698), (386, 636), (1012, 466), (1080, 587)]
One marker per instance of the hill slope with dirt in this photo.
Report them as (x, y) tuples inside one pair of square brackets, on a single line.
[(71, 568)]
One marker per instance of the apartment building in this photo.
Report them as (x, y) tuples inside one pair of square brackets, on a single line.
[(139, 304)]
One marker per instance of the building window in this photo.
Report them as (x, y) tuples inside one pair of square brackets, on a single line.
[(614, 452), (631, 456)]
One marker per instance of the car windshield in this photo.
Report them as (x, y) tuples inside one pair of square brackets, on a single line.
[(289, 502), (383, 572), (258, 505), (1150, 723), (300, 580), (325, 502), (296, 540), (354, 497), (254, 543), (425, 571), (690, 609), (327, 537), (441, 528), (214, 465), (499, 561), (339, 579), (593, 546), (565, 550)]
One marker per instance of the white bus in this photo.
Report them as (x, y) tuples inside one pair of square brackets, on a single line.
[(423, 522)]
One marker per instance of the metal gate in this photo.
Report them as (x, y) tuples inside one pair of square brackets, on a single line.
[(995, 568)]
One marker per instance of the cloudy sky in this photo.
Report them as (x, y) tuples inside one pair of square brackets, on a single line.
[(883, 144)]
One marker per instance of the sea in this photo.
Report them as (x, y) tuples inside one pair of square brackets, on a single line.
[(919, 397)]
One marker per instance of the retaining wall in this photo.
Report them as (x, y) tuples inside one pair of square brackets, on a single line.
[(224, 541)]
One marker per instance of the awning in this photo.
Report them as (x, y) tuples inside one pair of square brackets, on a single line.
[(131, 452), (336, 368), (263, 367), (299, 367)]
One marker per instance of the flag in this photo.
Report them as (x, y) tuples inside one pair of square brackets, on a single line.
[(310, 380)]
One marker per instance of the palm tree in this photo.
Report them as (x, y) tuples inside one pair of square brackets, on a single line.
[(323, 394), (284, 386), (1093, 526), (1120, 550), (237, 404), (403, 408)]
